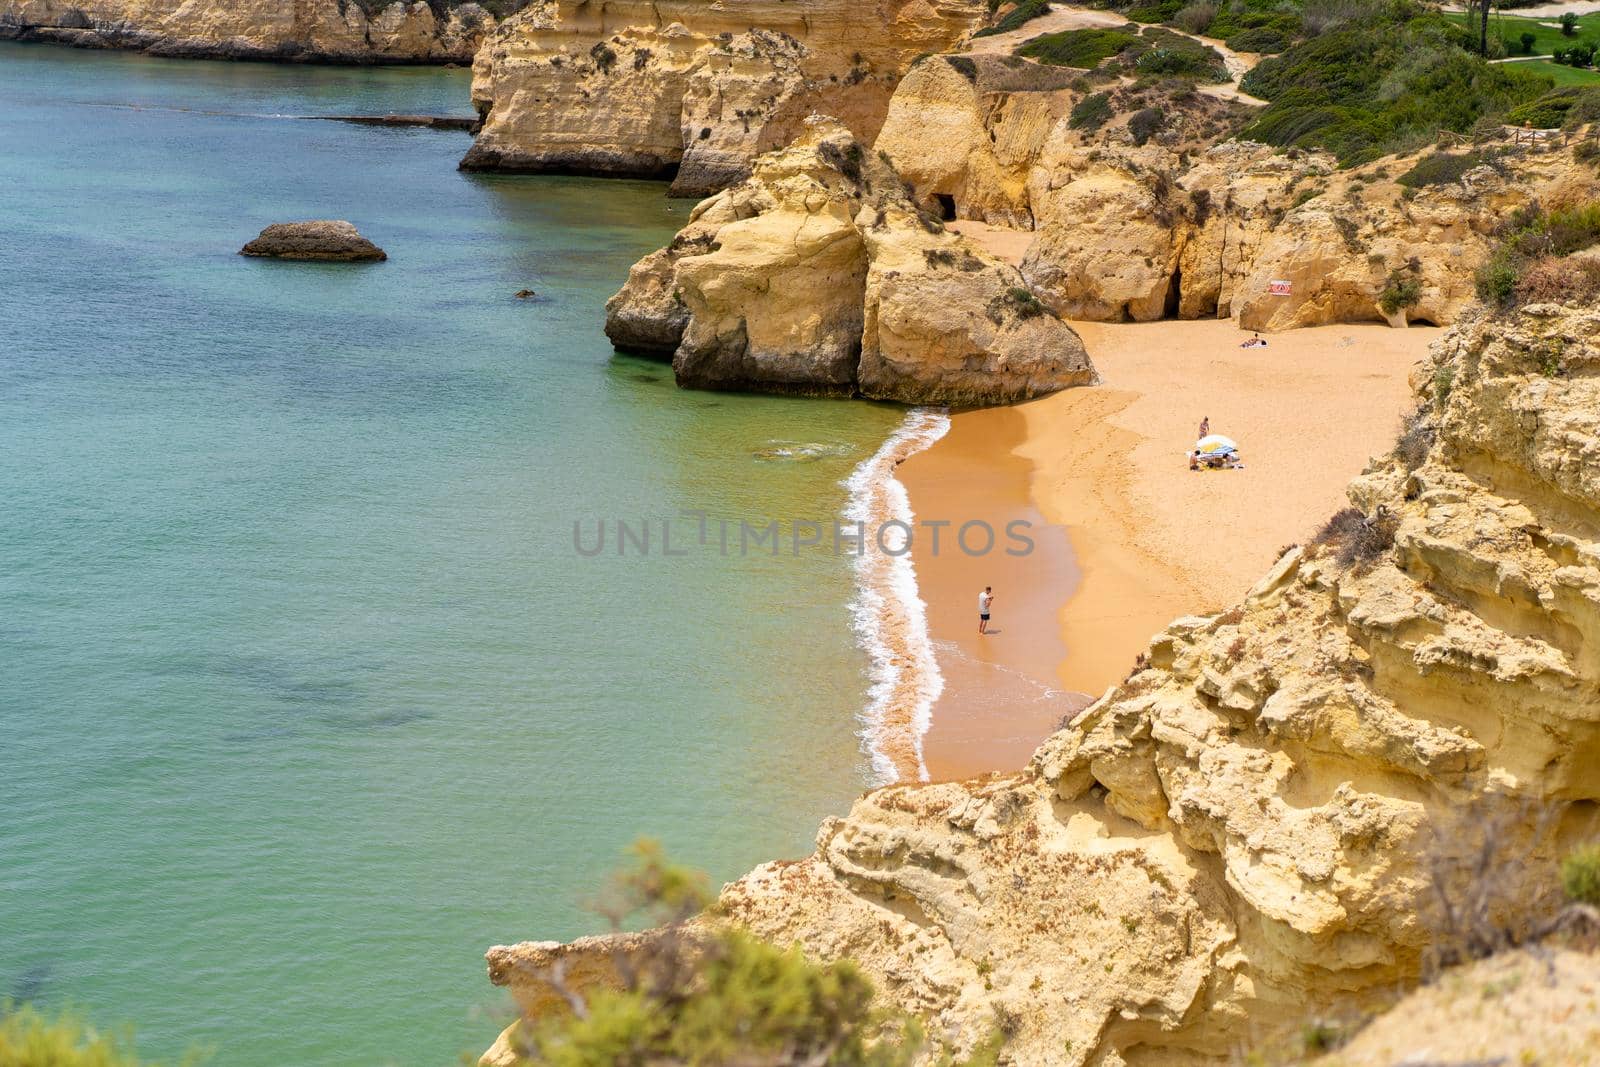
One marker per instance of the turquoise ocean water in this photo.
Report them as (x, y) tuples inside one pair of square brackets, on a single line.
[(305, 698)]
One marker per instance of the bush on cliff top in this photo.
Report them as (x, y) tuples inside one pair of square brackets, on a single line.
[(30, 1039), (1441, 168), (718, 996), (1079, 48), (1386, 82), (1019, 16), (1529, 264)]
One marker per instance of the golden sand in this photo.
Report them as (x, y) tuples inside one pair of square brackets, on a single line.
[(1151, 539)]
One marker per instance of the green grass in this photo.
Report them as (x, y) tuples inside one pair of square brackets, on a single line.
[(1546, 38), (1563, 75)]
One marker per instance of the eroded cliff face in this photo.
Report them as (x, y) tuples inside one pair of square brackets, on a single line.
[(1167, 219), (656, 88), (1250, 829), (818, 275), (333, 31)]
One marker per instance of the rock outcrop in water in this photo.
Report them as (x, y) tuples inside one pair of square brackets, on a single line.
[(1171, 219), (319, 239), (1258, 824), (819, 276), (657, 88), (326, 31)]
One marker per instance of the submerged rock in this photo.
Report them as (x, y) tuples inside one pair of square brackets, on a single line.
[(319, 239), (817, 275)]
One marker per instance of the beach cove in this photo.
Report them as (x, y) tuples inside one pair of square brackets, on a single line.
[(1133, 538), (308, 697)]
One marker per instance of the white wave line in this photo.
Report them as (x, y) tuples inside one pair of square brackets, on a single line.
[(887, 602)]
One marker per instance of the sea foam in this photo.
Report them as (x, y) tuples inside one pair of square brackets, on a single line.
[(889, 617)]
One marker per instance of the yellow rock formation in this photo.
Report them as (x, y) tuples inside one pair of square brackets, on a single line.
[(1251, 828), (1182, 226), (818, 275), (652, 88), (327, 30)]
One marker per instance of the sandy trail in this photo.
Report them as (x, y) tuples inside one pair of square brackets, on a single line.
[(1150, 540)]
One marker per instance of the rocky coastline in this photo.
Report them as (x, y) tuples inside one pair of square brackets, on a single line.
[(1258, 824), (818, 275), (691, 92), (346, 32)]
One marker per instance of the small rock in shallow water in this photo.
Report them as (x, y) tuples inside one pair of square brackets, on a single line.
[(523, 294), (319, 239)]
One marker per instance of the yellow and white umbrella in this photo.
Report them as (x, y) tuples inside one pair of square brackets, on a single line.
[(1215, 445)]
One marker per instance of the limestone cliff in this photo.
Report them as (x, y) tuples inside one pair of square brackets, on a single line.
[(818, 275), (1162, 217), (330, 31), (1257, 824), (657, 88)]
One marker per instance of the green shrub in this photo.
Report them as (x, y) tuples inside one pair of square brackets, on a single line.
[(1262, 39), (1573, 229), (1020, 15), (30, 1039), (1527, 41), (1580, 875), (1496, 281), (965, 66), (719, 996), (1441, 168), (1374, 85), (1569, 24), (1550, 110), (1172, 53), (1078, 48), (1091, 113), (1160, 11), (1444, 380), (1402, 290)]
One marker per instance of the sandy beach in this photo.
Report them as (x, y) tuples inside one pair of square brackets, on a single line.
[(1005, 683), (1149, 539)]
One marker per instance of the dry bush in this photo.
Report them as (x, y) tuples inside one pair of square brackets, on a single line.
[(1356, 539), (1196, 18), (1416, 440), (1552, 280), (1477, 867)]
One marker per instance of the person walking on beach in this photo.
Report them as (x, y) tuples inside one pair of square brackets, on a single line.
[(985, 599), (1205, 427)]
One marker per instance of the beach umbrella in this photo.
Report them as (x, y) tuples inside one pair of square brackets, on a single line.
[(1215, 445)]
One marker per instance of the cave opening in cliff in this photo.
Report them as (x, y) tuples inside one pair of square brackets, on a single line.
[(947, 206), (1174, 294)]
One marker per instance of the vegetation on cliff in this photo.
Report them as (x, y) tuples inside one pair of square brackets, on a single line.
[(1534, 262), (692, 995), (1383, 83), (29, 1038), (1140, 50)]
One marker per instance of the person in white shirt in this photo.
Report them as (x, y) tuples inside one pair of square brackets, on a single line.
[(985, 599)]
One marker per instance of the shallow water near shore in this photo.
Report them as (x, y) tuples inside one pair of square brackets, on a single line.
[(305, 697)]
